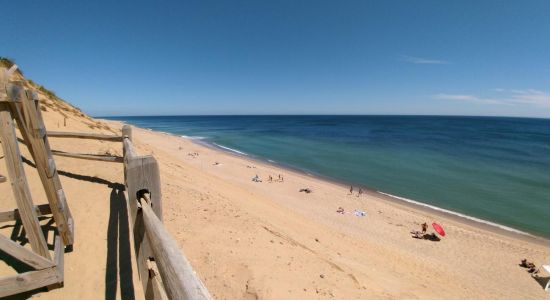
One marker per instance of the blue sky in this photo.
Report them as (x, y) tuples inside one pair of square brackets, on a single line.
[(286, 57)]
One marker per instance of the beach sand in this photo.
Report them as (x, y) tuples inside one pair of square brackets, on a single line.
[(267, 240)]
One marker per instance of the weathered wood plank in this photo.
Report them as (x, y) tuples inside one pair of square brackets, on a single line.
[(27, 281), (107, 158), (14, 91), (129, 150), (51, 167), (83, 135), (179, 279), (127, 132), (155, 289), (31, 119), (142, 174), (143, 253), (40, 132), (59, 252), (3, 83), (24, 255), (19, 184), (42, 209)]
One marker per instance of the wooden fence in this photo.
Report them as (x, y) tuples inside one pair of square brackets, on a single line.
[(164, 271), (20, 107)]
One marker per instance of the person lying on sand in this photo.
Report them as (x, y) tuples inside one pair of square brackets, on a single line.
[(417, 234), (306, 190), (257, 178), (340, 210), (531, 267)]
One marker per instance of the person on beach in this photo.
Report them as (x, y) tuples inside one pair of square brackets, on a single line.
[(360, 192), (270, 178), (340, 210), (421, 234), (351, 189)]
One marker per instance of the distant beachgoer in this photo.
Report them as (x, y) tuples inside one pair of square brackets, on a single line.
[(360, 192), (270, 178), (360, 213), (340, 210), (424, 227), (282, 179), (351, 189), (417, 234)]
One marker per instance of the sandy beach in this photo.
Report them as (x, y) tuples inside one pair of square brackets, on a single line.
[(268, 240)]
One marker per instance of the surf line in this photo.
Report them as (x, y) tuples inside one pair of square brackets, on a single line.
[(456, 214), (230, 149)]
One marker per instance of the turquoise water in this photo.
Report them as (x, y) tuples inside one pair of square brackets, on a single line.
[(496, 169)]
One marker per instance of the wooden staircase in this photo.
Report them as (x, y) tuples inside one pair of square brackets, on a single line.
[(20, 106)]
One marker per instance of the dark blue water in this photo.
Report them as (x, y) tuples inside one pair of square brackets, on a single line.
[(497, 169)]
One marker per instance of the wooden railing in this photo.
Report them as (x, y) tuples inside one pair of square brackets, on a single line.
[(89, 136), (164, 271)]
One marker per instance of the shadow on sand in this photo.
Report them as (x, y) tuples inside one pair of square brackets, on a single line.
[(118, 265)]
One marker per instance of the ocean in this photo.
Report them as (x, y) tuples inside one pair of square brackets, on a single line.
[(491, 168)]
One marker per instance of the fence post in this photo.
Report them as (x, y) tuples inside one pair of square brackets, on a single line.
[(127, 132)]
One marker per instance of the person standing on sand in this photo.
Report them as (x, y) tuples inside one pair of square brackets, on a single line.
[(270, 178), (360, 192), (351, 189)]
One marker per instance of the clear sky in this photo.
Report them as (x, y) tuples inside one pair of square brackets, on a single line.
[(286, 56)]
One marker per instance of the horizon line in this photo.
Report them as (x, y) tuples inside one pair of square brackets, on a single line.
[(343, 115)]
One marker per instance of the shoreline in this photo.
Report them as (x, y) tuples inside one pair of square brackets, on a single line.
[(403, 202), (420, 206)]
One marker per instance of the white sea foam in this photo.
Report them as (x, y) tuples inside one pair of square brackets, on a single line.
[(456, 214), (271, 161), (230, 149), (193, 137)]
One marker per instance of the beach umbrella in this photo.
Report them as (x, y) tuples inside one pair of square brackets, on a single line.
[(438, 229)]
